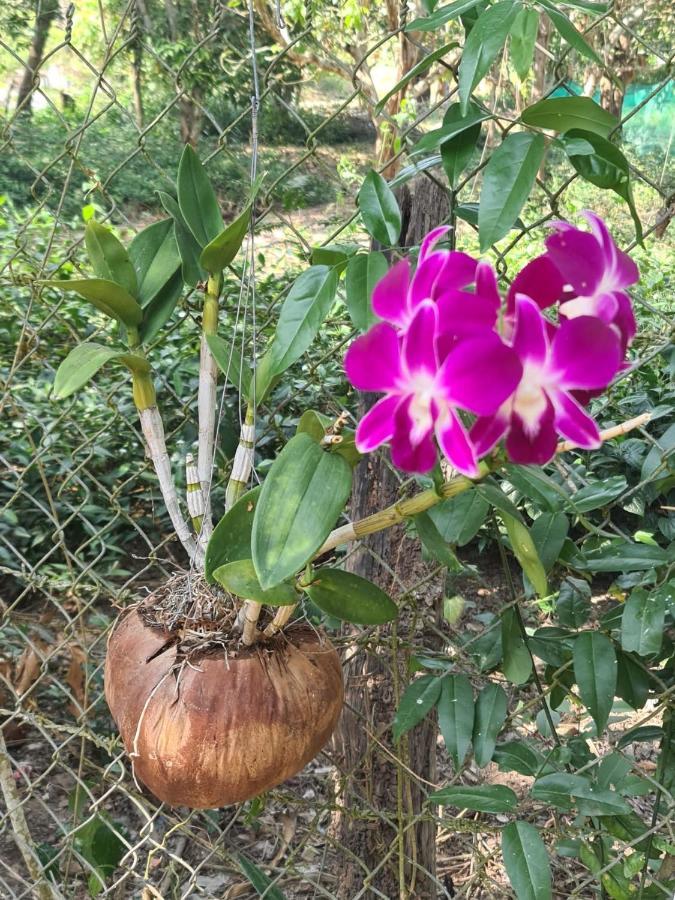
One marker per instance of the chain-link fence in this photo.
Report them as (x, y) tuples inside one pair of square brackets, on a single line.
[(83, 531)]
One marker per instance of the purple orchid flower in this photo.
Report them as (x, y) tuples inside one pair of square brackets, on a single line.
[(423, 391), (586, 272), (583, 353)]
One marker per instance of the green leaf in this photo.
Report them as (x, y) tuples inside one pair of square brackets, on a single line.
[(363, 272), (487, 798), (517, 756), (624, 556), (595, 674), (81, 364), (108, 297), (507, 182), (263, 885), (660, 457), (566, 29), (229, 362), (643, 734), (523, 37), (517, 663), (468, 212), (306, 306), (549, 531), (419, 697), (425, 63), (434, 544), (379, 209), (496, 497), (221, 251), (593, 496), (525, 552), (632, 682), (197, 199), (536, 486), (160, 309), (491, 709), (459, 518), (456, 152), (188, 248), (440, 16), (483, 43), (565, 113), (602, 164), (304, 493), (351, 598), (562, 790), (108, 257), (455, 716), (239, 578), (155, 257), (336, 255), (526, 862), (455, 123), (553, 645), (573, 606), (231, 538), (643, 620)]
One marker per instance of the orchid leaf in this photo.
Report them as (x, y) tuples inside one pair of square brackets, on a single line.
[(197, 199), (188, 248), (351, 598), (222, 250), (109, 259), (231, 538), (239, 578), (108, 297), (155, 258), (85, 360)]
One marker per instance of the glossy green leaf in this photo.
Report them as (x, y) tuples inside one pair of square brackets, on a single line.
[(230, 363), (419, 697), (624, 556), (508, 179), (160, 309), (553, 645), (108, 297), (632, 682), (306, 306), (363, 272), (197, 199), (456, 152), (643, 734), (468, 212), (517, 756), (487, 798), (566, 29), (109, 258), (433, 543), (491, 707), (155, 257), (516, 662), (485, 40), (379, 209), (304, 493), (661, 457), (317, 425), (425, 63), (593, 496), (455, 123), (535, 486), (562, 114), (222, 250), (351, 598), (548, 532), (442, 15), (84, 361), (643, 620), (455, 716), (564, 790), (231, 538), (526, 862), (336, 255), (525, 552), (239, 578), (263, 885), (595, 674), (573, 606), (408, 172), (459, 518), (188, 248), (601, 163), (523, 38), (496, 497)]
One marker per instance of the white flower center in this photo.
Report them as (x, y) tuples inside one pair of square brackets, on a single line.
[(530, 399), (422, 386)]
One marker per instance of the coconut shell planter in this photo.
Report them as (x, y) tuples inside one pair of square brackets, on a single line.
[(207, 724)]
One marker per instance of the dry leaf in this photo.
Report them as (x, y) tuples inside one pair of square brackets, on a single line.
[(27, 669)]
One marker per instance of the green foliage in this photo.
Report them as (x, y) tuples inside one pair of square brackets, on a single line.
[(379, 209), (350, 598)]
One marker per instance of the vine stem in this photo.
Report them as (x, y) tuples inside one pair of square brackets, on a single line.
[(206, 401), (412, 506)]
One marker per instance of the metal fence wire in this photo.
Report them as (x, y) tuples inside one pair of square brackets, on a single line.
[(82, 529)]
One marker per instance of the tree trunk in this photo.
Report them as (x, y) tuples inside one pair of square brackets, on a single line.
[(378, 801), (541, 59), (45, 15)]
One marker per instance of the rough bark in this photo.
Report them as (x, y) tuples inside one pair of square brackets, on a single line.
[(45, 15), (369, 792)]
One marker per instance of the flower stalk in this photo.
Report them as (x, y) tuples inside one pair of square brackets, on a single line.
[(206, 399)]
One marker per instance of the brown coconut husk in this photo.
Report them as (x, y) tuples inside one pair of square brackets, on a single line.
[(205, 721)]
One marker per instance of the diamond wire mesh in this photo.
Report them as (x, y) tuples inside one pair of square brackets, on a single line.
[(94, 540)]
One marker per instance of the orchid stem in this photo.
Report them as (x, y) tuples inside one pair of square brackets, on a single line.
[(206, 400)]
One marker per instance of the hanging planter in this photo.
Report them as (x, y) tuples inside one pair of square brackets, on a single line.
[(205, 721)]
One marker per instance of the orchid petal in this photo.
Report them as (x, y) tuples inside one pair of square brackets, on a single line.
[(431, 240), (426, 277), (406, 455), (461, 313), (480, 373), (390, 295), (372, 362), (377, 426), (579, 257), (586, 353), (624, 270), (530, 337), (486, 284), (574, 423), (419, 343), (625, 319), (603, 306), (540, 280), (532, 446), (455, 444), (487, 431), (459, 271)]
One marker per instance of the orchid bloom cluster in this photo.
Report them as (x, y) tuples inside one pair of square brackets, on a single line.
[(456, 362)]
